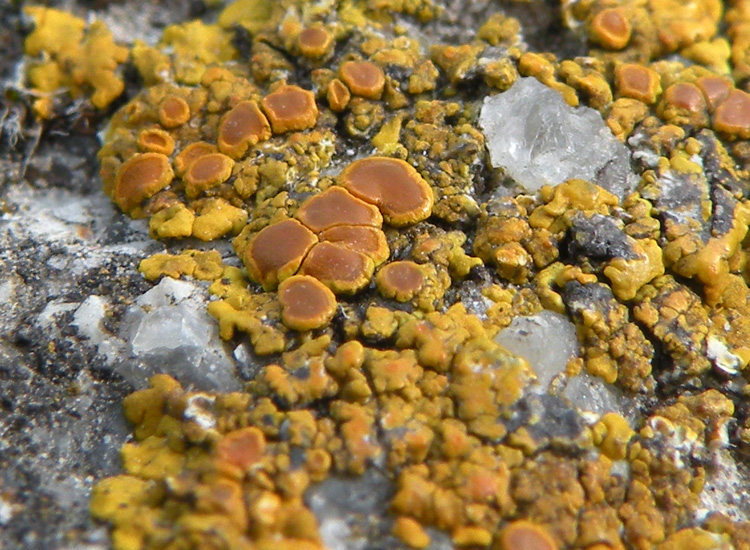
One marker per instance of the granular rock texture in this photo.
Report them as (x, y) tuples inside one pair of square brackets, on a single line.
[(406, 274)]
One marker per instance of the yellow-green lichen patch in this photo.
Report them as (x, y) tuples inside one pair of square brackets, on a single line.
[(72, 56), (207, 266)]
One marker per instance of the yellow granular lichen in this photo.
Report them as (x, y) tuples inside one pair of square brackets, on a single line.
[(70, 56)]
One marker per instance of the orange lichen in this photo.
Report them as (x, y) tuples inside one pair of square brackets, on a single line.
[(277, 251), (338, 95), (190, 153), (422, 389), (400, 280), (241, 449), (140, 177), (732, 116), (685, 96), (683, 103), (342, 270), (156, 140), (361, 238), (306, 303), (715, 89), (611, 28), (290, 108), (314, 41), (392, 185), (173, 112), (205, 172), (336, 206), (637, 82), (524, 535), (363, 78), (411, 532), (242, 127)]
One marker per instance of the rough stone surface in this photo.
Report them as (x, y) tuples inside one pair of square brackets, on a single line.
[(81, 328)]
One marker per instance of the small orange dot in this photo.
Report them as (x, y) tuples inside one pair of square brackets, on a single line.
[(314, 42), (173, 111), (611, 29), (363, 78), (290, 108)]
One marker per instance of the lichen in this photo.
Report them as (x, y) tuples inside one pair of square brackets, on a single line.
[(381, 253)]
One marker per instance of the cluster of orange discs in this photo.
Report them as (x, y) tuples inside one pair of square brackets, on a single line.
[(203, 165), (336, 241), (689, 102)]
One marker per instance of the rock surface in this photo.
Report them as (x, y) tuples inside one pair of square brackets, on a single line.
[(452, 440)]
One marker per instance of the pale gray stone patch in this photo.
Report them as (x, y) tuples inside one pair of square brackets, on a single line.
[(592, 394), (546, 340), (168, 330)]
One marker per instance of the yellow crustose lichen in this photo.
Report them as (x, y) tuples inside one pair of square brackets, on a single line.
[(356, 270)]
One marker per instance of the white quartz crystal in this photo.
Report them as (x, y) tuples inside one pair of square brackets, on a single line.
[(592, 394), (538, 139), (546, 340), (169, 330)]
